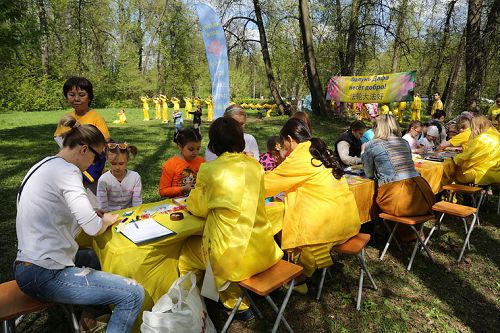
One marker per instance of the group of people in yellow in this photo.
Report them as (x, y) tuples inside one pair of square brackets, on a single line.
[(369, 111), (161, 106)]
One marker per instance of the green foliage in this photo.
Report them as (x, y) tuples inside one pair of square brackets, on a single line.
[(22, 90)]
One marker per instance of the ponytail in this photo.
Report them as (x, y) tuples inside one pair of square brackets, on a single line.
[(80, 134), (320, 152)]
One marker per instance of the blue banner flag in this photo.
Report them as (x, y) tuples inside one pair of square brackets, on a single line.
[(216, 50)]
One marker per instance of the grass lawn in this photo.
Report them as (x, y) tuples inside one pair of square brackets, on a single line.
[(440, 297)]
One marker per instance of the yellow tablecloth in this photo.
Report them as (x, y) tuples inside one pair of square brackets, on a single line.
[(437, 174), (153, 265), (364, 194)]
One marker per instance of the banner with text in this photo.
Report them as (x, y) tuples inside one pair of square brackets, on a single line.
[(216, 50), (384, 88)]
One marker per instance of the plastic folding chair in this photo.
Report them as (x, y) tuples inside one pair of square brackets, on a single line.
[(354, 246), (410, 221), (459, 211), (477, 194), (263, 284)]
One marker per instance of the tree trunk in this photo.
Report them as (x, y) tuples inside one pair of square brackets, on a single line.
[(401, 13), (140, 37), (477, 50), (267, 59), (318, 103), (44, 43), (434, 82), (352, 39), (80, 38), (450, 89)]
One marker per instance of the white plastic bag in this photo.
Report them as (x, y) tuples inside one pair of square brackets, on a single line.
[(180, 310)]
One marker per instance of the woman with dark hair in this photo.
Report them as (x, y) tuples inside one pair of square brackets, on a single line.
[(52, 209), (237, 241), (320, 210), (79, 93)]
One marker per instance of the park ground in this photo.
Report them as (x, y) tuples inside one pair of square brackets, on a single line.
[(442, 297)]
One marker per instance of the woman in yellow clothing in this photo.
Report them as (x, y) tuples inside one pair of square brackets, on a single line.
[(384, 109), (188, 108), (122, 117), (320, 210), (480, 162), (79, 93), (175, 101), (416, 107), (237, 240), (164, 109), (145, 107), (210, 108), (157, 101)]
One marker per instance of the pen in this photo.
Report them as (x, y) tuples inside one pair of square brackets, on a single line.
[(124, 220), (134, 222)]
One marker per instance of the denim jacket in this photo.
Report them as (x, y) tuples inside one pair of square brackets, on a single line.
[(388, 160)]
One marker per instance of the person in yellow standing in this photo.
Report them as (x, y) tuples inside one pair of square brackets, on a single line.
[(237, 240), (320, 210), (480, 162), (402, 109), (164, 109), (384, 109), (79, 93), (210, 108), (175, 101), (188, 108), (156, 101), (494, 110), (145, 107), (437, 104), (416, 107)]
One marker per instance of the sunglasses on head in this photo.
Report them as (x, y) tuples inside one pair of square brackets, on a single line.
[(97, 156), (121, 146)]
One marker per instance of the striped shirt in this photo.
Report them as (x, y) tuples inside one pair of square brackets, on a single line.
[(114, 195)]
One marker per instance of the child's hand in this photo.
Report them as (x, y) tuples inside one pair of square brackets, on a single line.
[(188, 187)]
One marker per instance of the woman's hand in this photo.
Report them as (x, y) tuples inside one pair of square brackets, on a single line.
[(187, 188), (107, 220)]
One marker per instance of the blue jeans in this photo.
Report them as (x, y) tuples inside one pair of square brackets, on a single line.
[(84, 286)]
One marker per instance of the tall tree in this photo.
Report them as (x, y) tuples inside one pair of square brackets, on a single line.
[(477, 49), (318, 102), (44, 42), (434, 82), (401, 20), (450, 90), (267, 59)]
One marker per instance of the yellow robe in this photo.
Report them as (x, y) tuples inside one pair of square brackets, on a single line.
[(164, 109), (384, 109), (461, 139), (145, 108), (188, 108), (493, 111), (157, 108), (318, 208), (122, 118), (480, 162), (210, 109), (416, 107), (238, 238)]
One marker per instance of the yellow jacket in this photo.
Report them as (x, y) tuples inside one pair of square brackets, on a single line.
[(318, 208), (461, 139), (481, 159), (237, 238)]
